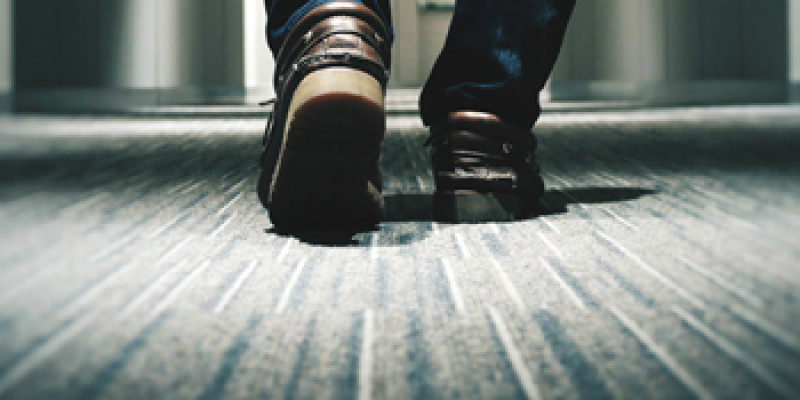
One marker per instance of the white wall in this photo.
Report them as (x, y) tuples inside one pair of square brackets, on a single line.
[(6, 33), (258, 62), (406, 50)]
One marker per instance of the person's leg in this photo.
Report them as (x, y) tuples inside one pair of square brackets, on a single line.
[(481, 101), (319, 168), (284, 14), (497, 58)]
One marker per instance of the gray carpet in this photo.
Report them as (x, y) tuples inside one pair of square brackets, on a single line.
[(136, 263)]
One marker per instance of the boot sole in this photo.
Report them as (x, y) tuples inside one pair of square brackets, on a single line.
[(327, 171)]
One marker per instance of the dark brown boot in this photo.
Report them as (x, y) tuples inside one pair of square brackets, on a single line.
[(321, 148), (484, 169)]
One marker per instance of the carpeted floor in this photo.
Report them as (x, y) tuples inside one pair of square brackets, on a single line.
[(136, 262)]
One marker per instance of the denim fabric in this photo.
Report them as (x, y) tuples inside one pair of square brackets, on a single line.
[(284, 14), (497, 56)]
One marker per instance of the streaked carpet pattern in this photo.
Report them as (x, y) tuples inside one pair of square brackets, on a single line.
[(136, 263)]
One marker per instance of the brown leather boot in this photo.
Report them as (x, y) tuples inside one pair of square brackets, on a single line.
[(321, 148), (484, 169)]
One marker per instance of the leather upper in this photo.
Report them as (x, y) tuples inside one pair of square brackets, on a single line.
[(475, 150), (335, 34)]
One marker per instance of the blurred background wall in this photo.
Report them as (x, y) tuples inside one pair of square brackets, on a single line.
[(6, 72), (112, 54), (668, 51), (100, 54)]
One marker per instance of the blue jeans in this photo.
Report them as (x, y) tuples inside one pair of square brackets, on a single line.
[(497, 56)]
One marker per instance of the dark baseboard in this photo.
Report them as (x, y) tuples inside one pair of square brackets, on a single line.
[(100, 100), (794, 92), (671, 93)]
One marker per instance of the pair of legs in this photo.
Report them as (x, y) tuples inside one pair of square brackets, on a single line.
[(497, 57), (480, 100)]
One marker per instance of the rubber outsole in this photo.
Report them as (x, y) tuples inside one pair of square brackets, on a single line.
[(327, 173)]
